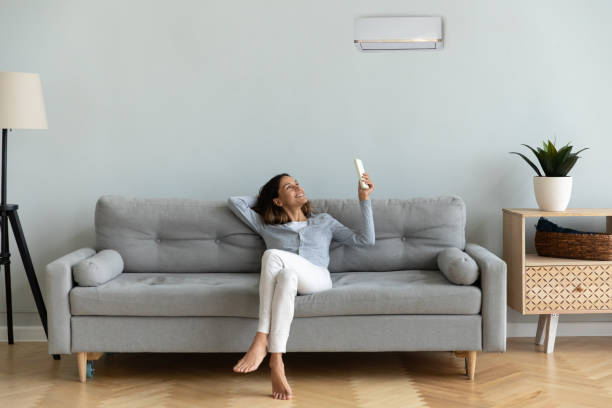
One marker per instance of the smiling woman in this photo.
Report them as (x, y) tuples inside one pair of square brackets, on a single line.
[(290, 266), (281, 200)]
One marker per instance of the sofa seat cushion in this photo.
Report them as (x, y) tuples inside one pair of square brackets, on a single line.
[(237, 294)]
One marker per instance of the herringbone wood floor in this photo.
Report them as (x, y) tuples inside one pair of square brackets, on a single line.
[(578, 374)]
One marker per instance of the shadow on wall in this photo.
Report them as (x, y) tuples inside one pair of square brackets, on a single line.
[(84, 238), (493, 191)]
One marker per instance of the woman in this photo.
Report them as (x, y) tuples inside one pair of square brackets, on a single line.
[(295, 261)]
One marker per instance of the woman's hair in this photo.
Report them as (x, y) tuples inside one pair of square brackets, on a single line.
[(270, 212)]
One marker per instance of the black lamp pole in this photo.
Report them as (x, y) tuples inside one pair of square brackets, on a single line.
[(4, 255), (9, 213)]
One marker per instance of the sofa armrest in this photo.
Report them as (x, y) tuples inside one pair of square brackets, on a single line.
[(493, 286), (57, 283)]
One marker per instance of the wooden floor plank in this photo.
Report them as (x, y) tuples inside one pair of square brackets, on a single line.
[(578, 373)]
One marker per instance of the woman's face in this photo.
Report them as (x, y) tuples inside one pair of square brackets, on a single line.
[(290, 194)]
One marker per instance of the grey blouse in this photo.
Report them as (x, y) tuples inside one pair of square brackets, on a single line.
[(313, 241)]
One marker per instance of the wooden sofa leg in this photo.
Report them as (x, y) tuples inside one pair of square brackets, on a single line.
[(95, 355), (82, 359), (471, 364), (82, 364)]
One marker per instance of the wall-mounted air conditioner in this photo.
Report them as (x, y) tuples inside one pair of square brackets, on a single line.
[(398, 33)]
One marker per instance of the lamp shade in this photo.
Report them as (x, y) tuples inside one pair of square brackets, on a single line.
[(21, 101)]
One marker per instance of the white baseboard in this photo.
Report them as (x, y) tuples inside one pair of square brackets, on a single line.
[(569, 329), (36, 333), (24, 333)]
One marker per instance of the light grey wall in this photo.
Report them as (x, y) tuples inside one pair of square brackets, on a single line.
[(207, 99)]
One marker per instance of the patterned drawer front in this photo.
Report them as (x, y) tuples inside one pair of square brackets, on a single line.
[(570, 288)]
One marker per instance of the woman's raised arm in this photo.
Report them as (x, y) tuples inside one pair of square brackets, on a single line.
[(241, 206), (347, 236)]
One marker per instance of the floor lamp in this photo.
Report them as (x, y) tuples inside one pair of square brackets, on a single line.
[(21, 107)]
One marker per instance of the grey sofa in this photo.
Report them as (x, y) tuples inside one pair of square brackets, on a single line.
[(190, 284)]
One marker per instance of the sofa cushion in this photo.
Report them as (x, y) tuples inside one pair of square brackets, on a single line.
[(98, 269), (173, 235), (457, 266), (237, 294)]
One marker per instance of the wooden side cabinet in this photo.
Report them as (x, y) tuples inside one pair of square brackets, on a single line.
[(548, 286)]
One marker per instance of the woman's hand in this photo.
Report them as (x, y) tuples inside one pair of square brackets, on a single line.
[(364, 193)]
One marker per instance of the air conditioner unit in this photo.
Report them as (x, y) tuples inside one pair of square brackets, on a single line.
[(398, 33)]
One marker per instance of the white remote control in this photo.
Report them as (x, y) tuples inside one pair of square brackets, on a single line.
[(360, 171)]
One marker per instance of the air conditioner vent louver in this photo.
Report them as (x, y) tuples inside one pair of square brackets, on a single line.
[(398, 33)]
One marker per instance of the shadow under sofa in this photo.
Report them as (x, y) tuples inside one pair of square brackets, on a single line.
[(190, 284)]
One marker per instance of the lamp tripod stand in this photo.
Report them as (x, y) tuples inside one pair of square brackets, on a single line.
[(22, 106), (9, 213)]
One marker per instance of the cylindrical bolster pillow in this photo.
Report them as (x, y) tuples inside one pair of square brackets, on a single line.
[(98, 269), (457, 266)]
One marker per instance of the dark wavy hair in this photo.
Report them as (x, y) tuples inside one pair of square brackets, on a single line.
[(270, 212)]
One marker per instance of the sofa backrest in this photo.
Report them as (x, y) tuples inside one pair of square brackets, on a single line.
[(185, 235)]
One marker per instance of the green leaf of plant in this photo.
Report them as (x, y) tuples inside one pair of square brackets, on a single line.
[(548, 162), (566, 148), (567, 166), (551, 148), (538, 154), (571, 161), (533, 166), (581, 150), (561, 157)]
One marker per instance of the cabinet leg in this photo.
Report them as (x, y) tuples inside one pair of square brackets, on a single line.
[(539, 338), (551, 331)]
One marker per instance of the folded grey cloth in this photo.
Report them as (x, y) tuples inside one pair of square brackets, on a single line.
[(548, 226)]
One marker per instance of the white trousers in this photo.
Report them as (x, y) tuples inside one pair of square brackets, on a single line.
[(283, 276)]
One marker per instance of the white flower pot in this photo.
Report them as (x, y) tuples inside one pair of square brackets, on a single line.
[(552, 193)]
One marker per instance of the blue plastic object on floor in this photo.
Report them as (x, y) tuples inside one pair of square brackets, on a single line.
[(90, 369)]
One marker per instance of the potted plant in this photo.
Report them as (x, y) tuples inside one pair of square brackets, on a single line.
[(553, 190)]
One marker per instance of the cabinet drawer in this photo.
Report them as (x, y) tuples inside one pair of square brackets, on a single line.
[(568, 288)]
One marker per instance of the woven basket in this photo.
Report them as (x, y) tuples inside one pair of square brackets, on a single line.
[(595, 247)]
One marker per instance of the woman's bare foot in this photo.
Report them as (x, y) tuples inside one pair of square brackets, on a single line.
[(280, 386), (254, 356)]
